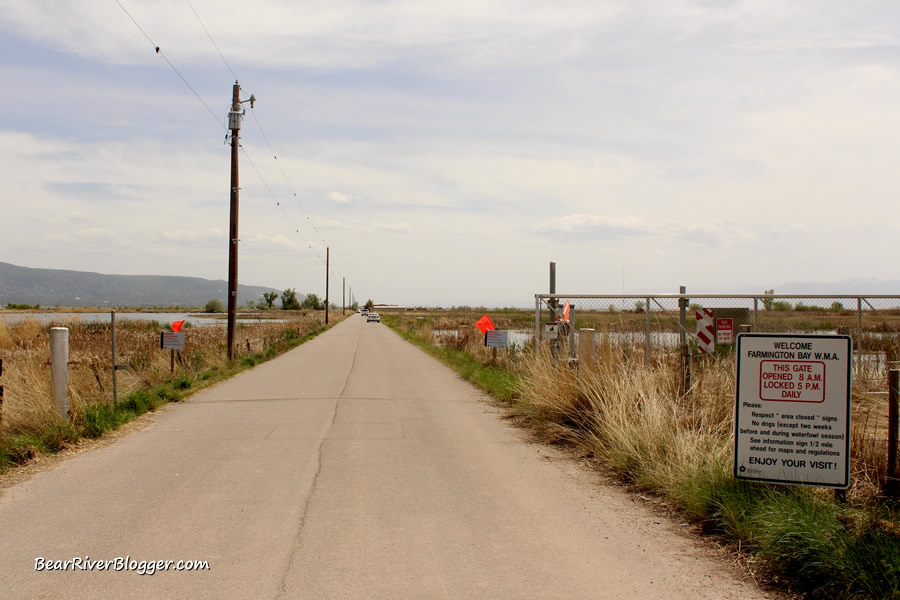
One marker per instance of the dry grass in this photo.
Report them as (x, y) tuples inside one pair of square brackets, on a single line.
[(633, 416)]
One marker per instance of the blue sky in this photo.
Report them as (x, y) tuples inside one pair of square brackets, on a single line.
[(448, 151)]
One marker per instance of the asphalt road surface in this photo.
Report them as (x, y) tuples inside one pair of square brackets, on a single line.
[(354, 466)]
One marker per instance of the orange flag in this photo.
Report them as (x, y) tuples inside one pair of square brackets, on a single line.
[(484, 324), (565, 312), (177, 325)]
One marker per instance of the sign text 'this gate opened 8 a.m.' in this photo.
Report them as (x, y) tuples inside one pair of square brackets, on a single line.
[(792, 410)]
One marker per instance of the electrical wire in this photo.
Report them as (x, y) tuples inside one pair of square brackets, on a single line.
[(266, 138), (222, 124), (277, 201), (216, 46), (168, 62), (284, 174)]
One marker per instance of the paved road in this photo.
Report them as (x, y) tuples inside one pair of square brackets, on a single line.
[(353, 467)]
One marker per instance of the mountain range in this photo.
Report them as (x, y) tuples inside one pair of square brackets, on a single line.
[(58, 287)]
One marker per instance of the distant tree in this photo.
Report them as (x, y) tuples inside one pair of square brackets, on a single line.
[(270, 298), (289, 299), (354, 306), (369, 304), (639, 306), (312, 301), (768, 302), (214, 306), (837, 306)]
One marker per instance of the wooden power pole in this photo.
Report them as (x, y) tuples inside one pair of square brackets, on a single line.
[(234, 124), (327, 268)]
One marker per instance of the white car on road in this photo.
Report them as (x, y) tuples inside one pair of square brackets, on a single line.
[(373, 317)]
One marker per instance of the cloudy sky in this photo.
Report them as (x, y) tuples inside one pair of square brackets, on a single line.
[(448, 151)]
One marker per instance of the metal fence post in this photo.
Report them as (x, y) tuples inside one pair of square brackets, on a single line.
[(572, 353), (892, 486), (59, 368), (647, 338), (755, 313), (859, 335), (685, 351), (537, 324)]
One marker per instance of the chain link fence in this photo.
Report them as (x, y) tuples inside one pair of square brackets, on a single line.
[(664, 324)]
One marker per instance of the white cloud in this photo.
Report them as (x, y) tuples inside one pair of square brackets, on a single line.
[(338, 198)]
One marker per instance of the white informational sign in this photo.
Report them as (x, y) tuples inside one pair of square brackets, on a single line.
[(551, 329), (169, 340), (792, 409), (496, 338), (724, 331)]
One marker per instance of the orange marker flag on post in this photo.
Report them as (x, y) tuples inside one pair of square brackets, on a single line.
[(177, 325), (484, 324), (566, 312)]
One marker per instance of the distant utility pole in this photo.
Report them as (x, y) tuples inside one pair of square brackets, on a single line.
[(327, 268), (234, 124), (343, 295)]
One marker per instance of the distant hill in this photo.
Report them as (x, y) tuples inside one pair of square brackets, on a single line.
[(51, 287)]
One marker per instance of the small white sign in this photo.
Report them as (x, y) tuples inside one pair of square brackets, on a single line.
[(169, 340), (496, 338), (792, 409)]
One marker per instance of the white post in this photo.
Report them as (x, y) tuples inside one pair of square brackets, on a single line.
[(59, 368)]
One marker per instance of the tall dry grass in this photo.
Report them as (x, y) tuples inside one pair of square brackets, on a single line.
[(633, 416)]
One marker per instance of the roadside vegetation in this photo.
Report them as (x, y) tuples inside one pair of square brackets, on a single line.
[(630, 416), (29, 423)]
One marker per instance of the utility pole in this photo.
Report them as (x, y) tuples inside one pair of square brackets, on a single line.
[(234, 124), (327, 268), (343, 295)]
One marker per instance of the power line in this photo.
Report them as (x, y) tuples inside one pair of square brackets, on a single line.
[(216, 46), (278, 202), (221, 123), (268, 143), (261, 130), (284, 174), (177, 72)]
